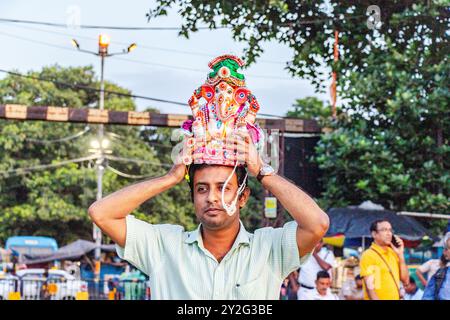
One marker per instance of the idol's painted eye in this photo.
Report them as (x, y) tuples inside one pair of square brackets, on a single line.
[(241, 95), (208, 94)]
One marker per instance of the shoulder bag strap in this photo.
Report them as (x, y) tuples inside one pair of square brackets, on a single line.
[(439, 280), (389, 268)]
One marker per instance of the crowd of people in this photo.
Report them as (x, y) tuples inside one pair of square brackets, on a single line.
[(381, 274)]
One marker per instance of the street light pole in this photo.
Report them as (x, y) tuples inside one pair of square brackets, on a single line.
[(103, 43), (101, 144), (102, 52)]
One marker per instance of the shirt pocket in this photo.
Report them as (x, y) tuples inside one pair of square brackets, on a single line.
[(252, 290)]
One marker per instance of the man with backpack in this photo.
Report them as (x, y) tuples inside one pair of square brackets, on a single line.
[(438, 288)]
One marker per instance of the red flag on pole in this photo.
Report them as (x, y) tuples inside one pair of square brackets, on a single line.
[(333, 92)]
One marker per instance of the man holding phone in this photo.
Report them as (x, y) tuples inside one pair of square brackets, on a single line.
[(383, 265)]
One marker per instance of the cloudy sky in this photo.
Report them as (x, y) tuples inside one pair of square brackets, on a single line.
[(163, 66)]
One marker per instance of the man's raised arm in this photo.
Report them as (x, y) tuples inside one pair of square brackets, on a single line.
[(311, 220), (110, 212)]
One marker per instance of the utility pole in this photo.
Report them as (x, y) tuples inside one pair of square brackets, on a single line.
[(103, 43), (100, 146)]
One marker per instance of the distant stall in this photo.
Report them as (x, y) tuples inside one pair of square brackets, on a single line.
[(72, 251), (350, 226)]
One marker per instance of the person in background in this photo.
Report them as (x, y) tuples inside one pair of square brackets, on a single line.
[(322, 260), (289, 287), (438, 288), (352, 289), (322, 290), (383, 265), (284, 294), (430, 267), (293, 285), (413, 292)]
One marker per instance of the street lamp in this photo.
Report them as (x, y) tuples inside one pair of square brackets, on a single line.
[(100, 146)]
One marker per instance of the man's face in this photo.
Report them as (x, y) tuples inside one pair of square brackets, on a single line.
[(359, 283), (447, 250), (322, 285), (208, 183), (410, 288), (383, 235)]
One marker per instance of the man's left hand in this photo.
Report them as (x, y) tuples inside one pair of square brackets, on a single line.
[(400, 249), (246, 152)]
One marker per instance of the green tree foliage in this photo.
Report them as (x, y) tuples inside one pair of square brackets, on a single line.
[(311, 108), (390, 144)]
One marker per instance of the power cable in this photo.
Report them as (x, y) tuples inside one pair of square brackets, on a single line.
[(125, 175), (78, 86), (109, 91), (114, 158), (140, 61), (77, 135), (82, 26), (141, 46), (20, 171)]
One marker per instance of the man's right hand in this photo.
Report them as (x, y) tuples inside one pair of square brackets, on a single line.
[(317, 248), (110, 212)]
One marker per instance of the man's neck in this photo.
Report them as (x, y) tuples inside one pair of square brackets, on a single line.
[(382, 246), (415, 291), (219, 242), (322, 295)]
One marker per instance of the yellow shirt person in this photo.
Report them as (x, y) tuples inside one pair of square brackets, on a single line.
[(372, 264), (383, 265)]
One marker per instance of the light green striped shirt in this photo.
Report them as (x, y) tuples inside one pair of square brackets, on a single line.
[(179, 266)]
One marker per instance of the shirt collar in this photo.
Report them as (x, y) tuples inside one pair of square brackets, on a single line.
[(196, 235), (379, 248)]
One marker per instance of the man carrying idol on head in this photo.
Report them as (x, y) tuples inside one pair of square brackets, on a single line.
[(219, 259)]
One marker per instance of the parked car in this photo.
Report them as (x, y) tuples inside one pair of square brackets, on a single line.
[(56, 285)]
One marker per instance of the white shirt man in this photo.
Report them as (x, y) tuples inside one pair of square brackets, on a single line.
[(315, 295), (322, 288), (412, 291), (322, 259), (352, 289), (414, 296), (430, 267)]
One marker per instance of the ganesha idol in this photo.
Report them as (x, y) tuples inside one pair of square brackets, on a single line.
[(220, 107)]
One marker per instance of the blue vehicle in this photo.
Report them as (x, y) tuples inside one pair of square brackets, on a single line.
[(31, 245)]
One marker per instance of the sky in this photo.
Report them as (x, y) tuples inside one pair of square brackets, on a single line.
[(164, 65)]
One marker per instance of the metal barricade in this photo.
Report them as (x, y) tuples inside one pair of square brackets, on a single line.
[(39, 288), (114, 289), (9, 288), (31, 289), (51, 289)]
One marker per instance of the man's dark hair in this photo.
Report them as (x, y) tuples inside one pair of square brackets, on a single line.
[(358, 277), (240, 172), (323, 275), (374, 225)]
